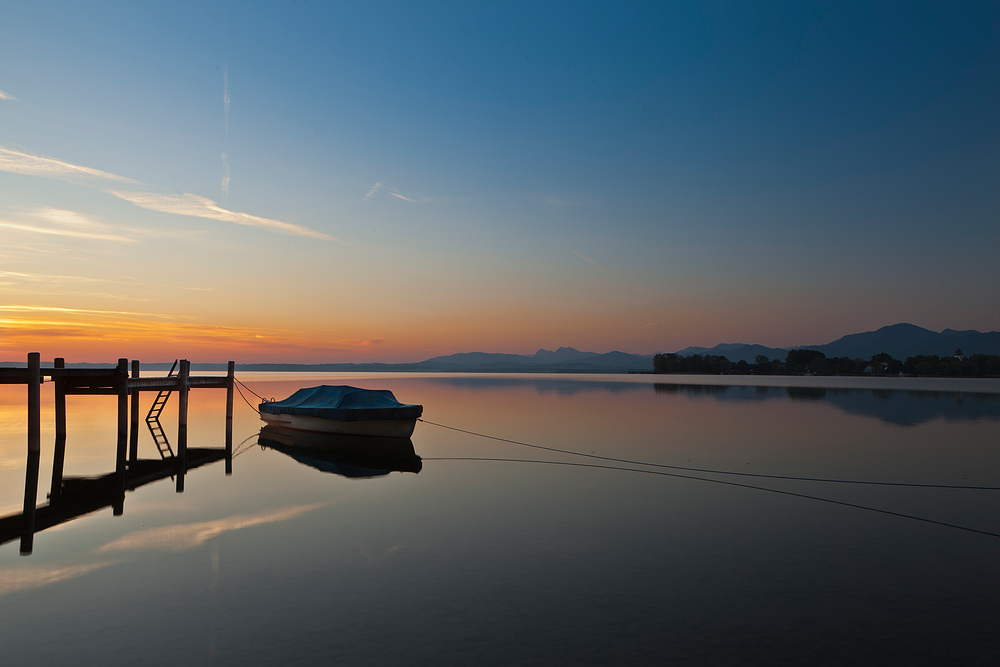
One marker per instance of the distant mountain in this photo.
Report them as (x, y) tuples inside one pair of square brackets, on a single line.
[(477, 359), (563, 354), (907, 340), (563, 360), (898, 340), (737, 351)]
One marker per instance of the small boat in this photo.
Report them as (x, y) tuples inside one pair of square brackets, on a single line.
[(344, 410), (352, 456)]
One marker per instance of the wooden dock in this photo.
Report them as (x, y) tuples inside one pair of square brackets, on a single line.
[(72, 497)]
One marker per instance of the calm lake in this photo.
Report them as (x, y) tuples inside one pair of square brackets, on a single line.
[(548, 559)]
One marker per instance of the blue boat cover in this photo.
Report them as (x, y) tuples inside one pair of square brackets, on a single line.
[(343, 403)]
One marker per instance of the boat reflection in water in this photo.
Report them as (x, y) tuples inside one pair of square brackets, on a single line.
[(358, 456)]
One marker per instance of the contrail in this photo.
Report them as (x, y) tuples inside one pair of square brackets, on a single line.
[(584, 257), (637, 328), (225, 176), (225, 124), (225, 97)]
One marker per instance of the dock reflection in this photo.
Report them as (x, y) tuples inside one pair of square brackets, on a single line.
[(352, 456), (74, 497)]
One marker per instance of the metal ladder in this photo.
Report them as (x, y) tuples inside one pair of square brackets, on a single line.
[(153, 419)]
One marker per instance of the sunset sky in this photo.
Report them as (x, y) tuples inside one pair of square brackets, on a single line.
[(310, 182)]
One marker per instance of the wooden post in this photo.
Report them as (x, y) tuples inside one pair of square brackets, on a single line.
[(59, 452), (230, 380), (182, 421), (133, 437), (122, 383), (34, 402)]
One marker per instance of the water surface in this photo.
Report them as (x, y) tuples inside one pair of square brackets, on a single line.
[(560, 560)]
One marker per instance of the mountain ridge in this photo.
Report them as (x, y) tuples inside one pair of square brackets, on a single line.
[(900, 341)]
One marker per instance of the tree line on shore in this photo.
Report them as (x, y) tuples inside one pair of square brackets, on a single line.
[(814, 362)]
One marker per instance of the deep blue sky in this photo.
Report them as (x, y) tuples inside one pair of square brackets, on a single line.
[(638, 177)]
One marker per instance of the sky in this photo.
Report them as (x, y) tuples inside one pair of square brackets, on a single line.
[(317, 182)]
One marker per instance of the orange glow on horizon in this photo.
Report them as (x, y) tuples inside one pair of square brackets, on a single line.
[(80, 335)]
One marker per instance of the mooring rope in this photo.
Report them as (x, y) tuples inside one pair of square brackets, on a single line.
[(244, 397), (249, 389), (240, 449), (715, 472), (718, 481)]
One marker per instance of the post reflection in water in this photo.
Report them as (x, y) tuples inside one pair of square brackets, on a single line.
[(30, 494), (74, 497)]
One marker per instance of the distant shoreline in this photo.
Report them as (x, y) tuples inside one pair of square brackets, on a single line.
[(422, 368)]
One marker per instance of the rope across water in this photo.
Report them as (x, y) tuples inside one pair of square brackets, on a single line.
[(714, 472), (719, 481)]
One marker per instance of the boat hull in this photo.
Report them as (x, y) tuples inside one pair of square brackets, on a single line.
[(386, 428)]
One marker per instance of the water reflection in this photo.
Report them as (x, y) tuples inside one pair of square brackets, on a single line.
[(179, 537), (74, 497), (473, 562), (899, 407), (892, 406), (542, 385), (346, 455)]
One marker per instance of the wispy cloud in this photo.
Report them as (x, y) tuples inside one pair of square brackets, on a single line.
[(146, 196), (32, 283), (587, 259), (53, 309), (22, 276), (189, 535), (36, 293), (371, 193), (46, 167), (164, 286), (356, 342), (14, 579), (8, 96), (51, 278), (64, 217), (26, 326), (66, 232), (392, 191), (225, 176), (203, 207), (59, 222)]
